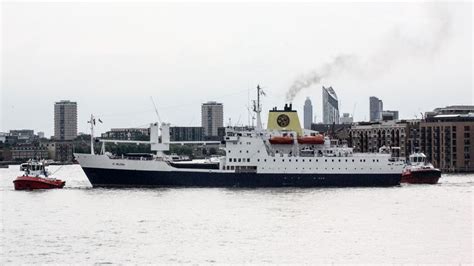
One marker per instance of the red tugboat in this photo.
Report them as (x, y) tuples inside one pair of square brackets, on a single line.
[(420, 171), (36, 177)]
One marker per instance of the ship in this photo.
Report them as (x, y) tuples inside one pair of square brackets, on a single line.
[(420, 171), (281, 155), (36, 176)]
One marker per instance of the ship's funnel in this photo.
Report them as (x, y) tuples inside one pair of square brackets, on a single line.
[(286, 119)]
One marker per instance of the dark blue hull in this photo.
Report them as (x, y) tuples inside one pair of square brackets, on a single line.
[(131, 178)]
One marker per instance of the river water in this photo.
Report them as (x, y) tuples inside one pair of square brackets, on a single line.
[(78, 224)]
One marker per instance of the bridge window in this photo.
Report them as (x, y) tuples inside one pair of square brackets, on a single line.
[(248, 160), (240, 160)]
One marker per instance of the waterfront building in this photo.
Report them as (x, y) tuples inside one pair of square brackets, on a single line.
[(127, 134), (186, 134), (3, 137), (63, 151), (376, 108), (336, 131), (447, 138), (451, 110), (330, 106), (370, 137), (212, 118), (23, 135), (5, 153), (27, 151), (65, 120), (308, 113), (389, 115), (346, 118)]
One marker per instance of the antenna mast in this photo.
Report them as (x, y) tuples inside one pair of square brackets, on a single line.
[(156, 110), (92, 122), (257, 108)]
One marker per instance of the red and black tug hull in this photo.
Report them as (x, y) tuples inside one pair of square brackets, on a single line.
[(32, 182), (427, 176)]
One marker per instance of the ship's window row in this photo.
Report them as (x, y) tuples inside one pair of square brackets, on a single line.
[(278, 168), (283, 160)]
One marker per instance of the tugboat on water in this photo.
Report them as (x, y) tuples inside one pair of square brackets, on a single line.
[(420, 171), (36, 177)]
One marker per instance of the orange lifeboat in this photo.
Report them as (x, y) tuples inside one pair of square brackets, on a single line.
[(317, 139), (281, 140)]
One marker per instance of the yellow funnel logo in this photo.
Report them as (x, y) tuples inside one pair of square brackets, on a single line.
[(286, 119)]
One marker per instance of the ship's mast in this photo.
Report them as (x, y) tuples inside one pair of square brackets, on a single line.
[(257, 108), (92, 122)]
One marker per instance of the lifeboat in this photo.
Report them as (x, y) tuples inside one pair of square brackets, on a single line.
[(317, 139), (281, 140)]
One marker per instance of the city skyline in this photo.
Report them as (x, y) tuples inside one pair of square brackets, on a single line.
[(112, 73)]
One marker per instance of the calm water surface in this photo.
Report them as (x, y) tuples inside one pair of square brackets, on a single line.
[(406, 224)]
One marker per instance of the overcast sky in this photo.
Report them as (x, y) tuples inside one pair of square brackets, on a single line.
[(111, 57)]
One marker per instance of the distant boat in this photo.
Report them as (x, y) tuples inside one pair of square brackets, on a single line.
[(36, 177), (420, 171)]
